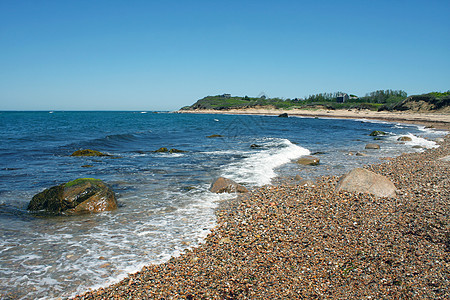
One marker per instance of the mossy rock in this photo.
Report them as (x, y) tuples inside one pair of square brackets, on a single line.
[(214, 136), (377, 133), (162, 150), (88, 152), (83, 195)]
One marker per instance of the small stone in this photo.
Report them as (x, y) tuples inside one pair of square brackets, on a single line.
[(372, 146), (224, 240), (404, 139)]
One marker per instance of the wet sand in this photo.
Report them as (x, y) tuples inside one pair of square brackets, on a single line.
[(435, 120), (298, 242)]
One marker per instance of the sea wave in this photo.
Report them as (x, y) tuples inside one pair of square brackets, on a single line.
[(259, 169)]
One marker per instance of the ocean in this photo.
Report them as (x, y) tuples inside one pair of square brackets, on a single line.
[(165, 206)]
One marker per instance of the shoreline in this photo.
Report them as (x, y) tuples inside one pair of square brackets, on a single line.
[(439, 121), (290, 241)]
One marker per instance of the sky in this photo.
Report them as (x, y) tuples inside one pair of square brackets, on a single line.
[(162, 55)]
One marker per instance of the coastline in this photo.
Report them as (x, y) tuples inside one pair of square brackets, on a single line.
[(290, 241), (439, 121)]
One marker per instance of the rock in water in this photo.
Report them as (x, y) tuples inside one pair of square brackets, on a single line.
[(308, 160), (363, 181), (214, 136), (88, 152), (372, 146), (404, 139), (283, 115), (83, 195), (377, 133), (225, 185)]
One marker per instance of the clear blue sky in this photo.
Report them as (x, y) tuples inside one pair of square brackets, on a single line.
[(162, 55)]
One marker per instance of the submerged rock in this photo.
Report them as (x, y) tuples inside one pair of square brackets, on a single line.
[(225, 185), (404, 139), (88, 152), (83, 195), (372, 146), (308, 160), (364, 181), (214, 136)]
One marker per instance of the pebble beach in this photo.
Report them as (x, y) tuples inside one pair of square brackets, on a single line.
[(289, 241)]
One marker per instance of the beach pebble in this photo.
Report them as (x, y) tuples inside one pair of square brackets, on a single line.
[(372, 146)]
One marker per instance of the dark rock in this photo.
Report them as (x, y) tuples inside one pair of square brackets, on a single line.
[(363, 181), (83, 195), (225, 185), (318, 153), (417, 147), (404, 139), (372, 146), (283, 115), (214, 136), (87, 166), (253, 146), (308, 160), (176, 151), (88, 152), (377, 133)]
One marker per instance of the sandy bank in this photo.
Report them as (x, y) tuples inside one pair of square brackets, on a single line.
[(437, 120)]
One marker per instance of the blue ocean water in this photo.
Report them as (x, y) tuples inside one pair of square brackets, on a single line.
[(165, 205)]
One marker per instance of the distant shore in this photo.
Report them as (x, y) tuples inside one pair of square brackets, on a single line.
[(436, 120)]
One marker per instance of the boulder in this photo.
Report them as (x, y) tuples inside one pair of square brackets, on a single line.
[(83, 195), (283, 115), (404, 139), (372, 146), (88, 152), (364, 181), (225, 185), (214, 136), (308, 160), (377, 133)]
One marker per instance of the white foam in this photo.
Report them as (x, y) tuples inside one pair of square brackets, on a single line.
[(416, 141), (259, 168)]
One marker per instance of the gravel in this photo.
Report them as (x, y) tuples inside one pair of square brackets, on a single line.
[(311, 242)]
